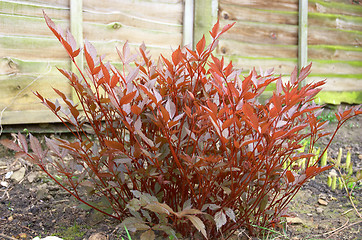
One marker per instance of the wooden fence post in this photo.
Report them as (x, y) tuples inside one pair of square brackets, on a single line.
[(188, 23), (303, 35), (76, 28), (206, 12)]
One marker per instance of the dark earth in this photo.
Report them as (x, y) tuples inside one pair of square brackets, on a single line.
[(31, 205)]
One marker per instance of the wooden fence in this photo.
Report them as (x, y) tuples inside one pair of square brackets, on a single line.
[(265, 35)]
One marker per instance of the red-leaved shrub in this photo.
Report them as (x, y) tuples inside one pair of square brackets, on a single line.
[(181, 140)]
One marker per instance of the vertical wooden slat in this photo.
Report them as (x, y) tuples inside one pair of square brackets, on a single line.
[(76, 28), (303, 34), (205, 17), (188, 23)]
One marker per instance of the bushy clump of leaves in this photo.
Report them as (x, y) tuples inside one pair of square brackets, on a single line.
[(182, 140)]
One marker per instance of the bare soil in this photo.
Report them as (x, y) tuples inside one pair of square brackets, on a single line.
[(34, 206)]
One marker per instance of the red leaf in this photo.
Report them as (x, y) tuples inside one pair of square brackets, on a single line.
[(290, 176), (136, 109), (11, 145), (52, 27), (62, 95), (212, 107), (39, 96), (304, 72), (200, 46), (51, 105), (227, 123), (293, 76), (165, 114), (105, 175), (114, 81), (215, 29), (127, 98), (23, 142), (176, 56), (67, 47), (105, 71), (227, 27), (35, 146), (65, 73), (310, 171), (114, 145), (89, 55), (149, 94)]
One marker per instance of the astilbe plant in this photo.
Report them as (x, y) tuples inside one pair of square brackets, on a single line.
[(182, 140)]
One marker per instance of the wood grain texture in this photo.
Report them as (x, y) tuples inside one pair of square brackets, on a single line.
[(28, 117), (335, 7), (242, 13), (266, 33), (315, 52), (16, 25), (19, 78), (281, 5), (31, 48), (152, 11), (107, 32)]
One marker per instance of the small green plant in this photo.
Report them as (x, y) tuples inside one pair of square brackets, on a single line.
[(343, 172), (128, 235), (328, 116), (72, 232)]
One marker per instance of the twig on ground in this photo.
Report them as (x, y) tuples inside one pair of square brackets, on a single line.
[(341, 229), (7, 237), (349, 193)]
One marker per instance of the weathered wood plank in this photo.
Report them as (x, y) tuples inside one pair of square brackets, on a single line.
[(34, 9), (326, 69), (334, 7), (54, 3), (127, 19), (27, 26), (18, 78), (31, 47), (329, 36), (338, 21), (339, 84), (327, 52), (16, 91), (281, 5), (240, 13), (335, 52), (159, 12), (262, 33), (107, 32), (330, 6), (15, 66), (28, 117), (280, 66), (233, 47), (265, 33)]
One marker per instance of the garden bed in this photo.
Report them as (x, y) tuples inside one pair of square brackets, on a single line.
[(31, 205)]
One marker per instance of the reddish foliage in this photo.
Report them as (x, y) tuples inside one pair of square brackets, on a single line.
[(187, 131)]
